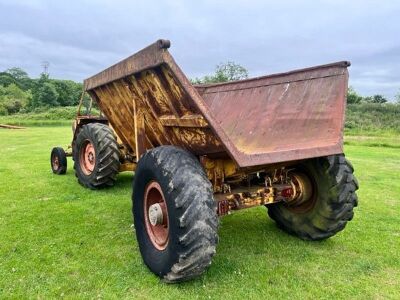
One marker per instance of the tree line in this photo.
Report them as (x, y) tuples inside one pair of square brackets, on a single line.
[(19, 93), (354, 98)]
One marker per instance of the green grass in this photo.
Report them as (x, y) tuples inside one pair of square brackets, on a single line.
[(38, 123), (372, 139), (59, 239)]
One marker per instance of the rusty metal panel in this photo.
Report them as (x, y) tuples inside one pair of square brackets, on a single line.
[(282, 117), (271, 119), (147, 105)]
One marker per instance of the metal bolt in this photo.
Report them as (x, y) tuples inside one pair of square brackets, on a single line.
[(155, 214)]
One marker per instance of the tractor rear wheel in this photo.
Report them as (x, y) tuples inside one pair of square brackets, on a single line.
[(329, 204), (96, 156), (174, 214), (58, 161)]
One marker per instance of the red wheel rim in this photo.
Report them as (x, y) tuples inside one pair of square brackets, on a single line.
[(87, 157), (55, 162), (159, 232)]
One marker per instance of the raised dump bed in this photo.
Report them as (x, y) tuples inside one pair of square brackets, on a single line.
[(264, 120), (203, 151)]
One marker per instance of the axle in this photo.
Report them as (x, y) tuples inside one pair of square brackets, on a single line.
[(292, 189)]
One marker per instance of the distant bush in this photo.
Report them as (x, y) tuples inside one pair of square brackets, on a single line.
[(373, 116)]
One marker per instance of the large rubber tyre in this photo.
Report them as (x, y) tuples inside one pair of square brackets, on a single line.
[(191, 209), (58, 161), (331, 205), (105, 156)]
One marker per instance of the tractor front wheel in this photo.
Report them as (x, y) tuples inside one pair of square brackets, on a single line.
[(58, 161), (174, 214)]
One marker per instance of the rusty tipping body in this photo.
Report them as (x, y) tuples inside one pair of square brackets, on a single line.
[(238, 130)]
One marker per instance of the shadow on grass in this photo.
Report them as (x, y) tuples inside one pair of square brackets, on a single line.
[(249, 241), (251, 244), (124, 180)]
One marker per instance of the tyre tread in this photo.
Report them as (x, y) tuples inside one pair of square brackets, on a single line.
[(337, 209), (107, 152), (195, 208)]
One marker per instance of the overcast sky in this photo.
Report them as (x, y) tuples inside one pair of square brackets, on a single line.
[(80, 38)]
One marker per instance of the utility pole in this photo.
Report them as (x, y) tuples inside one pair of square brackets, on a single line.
[(45, 65)]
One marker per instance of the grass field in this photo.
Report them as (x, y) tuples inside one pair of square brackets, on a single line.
[(59, 239)]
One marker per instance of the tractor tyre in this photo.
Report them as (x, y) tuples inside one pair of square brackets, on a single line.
[(96, 156), (58, 161), (329, 207), (174, 214)]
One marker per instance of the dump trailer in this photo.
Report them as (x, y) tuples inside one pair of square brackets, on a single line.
[(203, 151)]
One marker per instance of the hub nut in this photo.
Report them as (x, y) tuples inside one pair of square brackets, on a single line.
[(155, 214)]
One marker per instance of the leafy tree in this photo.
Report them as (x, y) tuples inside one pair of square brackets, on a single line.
[(69, 92), (379, 99), (353, 97), (17, 73), (230, 71), (6, 79), (21, 78), (44, 93), (13, 99), (224, 72), (375, 99), (47, 95), (14, 92)]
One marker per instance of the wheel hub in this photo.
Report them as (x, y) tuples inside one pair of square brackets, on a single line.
[(56, 162), (156, 215), (87, 157), (91, 157), (304, 196), (302, 187)]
